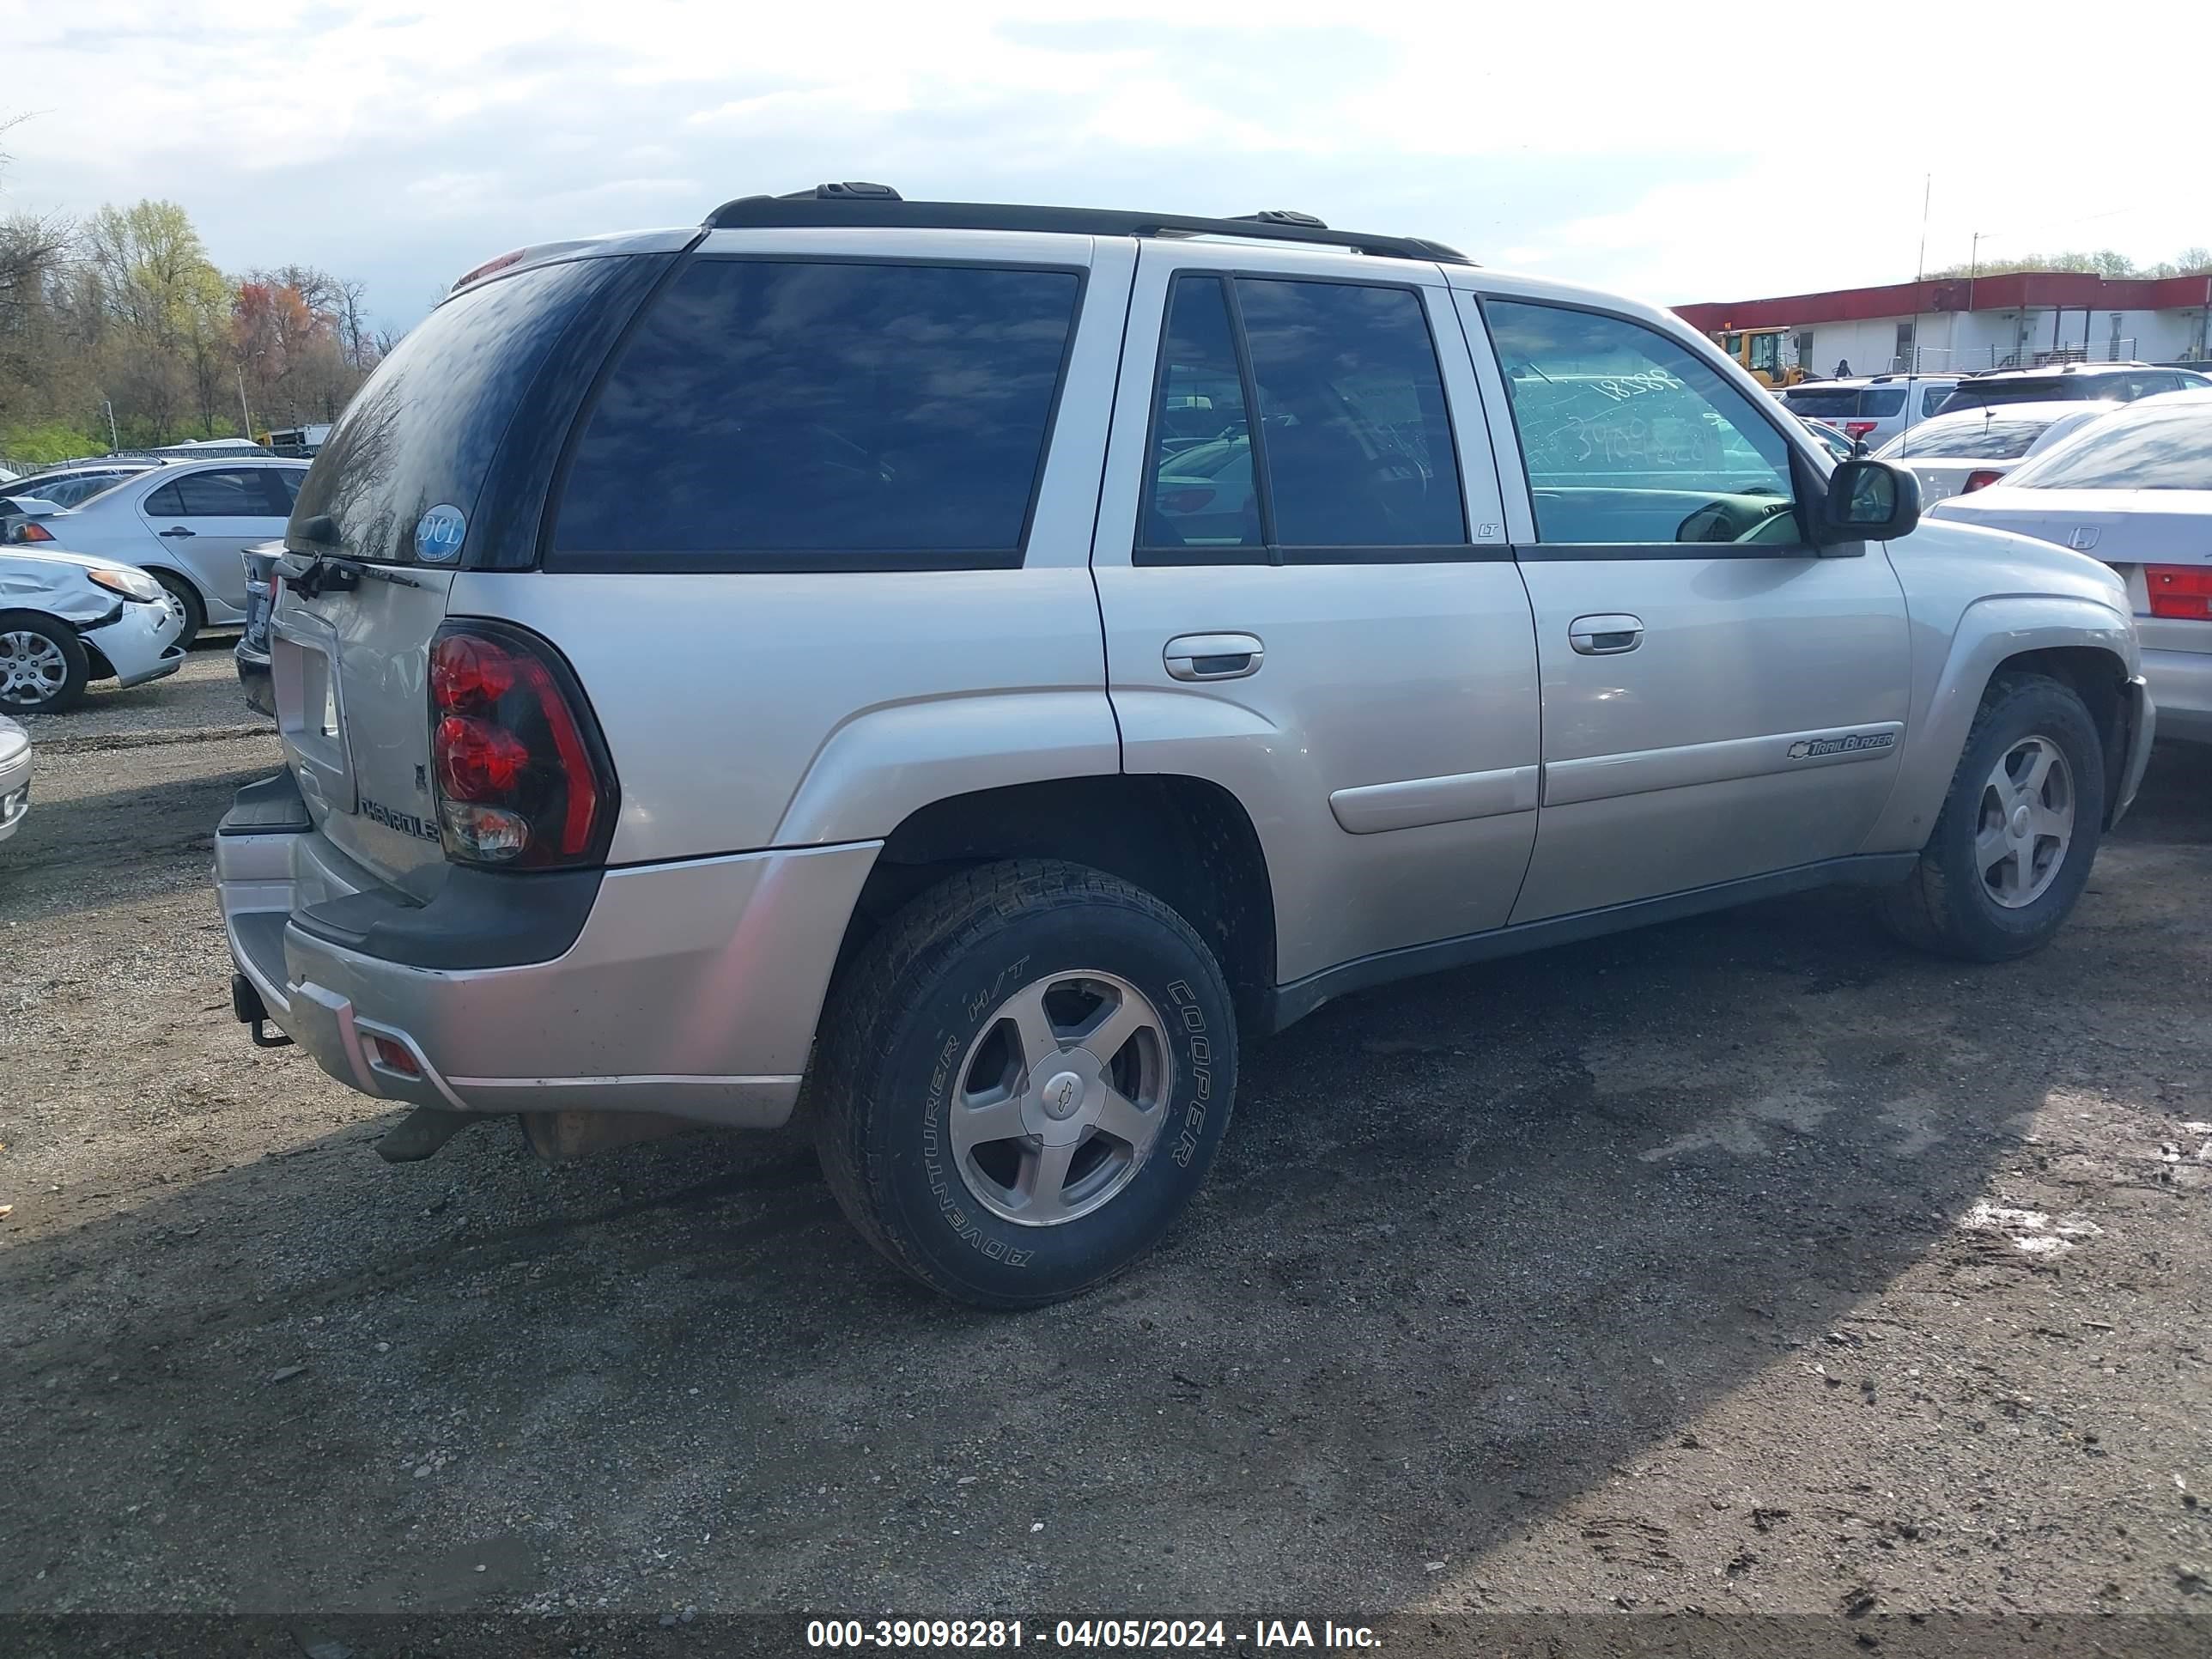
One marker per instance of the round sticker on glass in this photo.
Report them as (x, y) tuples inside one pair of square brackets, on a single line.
[(438, 535)]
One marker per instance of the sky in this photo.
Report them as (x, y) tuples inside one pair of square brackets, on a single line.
[(1674, 152)]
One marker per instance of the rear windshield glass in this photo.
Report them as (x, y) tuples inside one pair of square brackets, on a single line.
[(2043, 389), (1882, 402), (1823, 403), (1972, 436), (2149, 449), (423, 430), (775, 412)]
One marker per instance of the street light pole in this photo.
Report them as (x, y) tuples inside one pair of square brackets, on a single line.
[(114, 443), (242, 408)]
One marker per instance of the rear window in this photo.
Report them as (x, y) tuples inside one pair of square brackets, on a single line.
[(2043, 389), (423, 431), (1881, 402), (1972, 436), (1823, 402), (2151, 448), (773, 413)]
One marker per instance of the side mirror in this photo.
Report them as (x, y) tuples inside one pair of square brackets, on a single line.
[(1868, 502)]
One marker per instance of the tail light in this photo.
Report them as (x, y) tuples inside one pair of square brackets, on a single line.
[(521, 771), (1186, 498), (2182, 592), (31, 531), (1978, 480), (1858, 429)]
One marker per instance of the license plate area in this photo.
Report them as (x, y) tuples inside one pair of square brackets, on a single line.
[(303, 679)]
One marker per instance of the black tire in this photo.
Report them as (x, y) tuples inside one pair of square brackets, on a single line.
[(77, 666), (1946, 907), (923, 994), (188, 596)]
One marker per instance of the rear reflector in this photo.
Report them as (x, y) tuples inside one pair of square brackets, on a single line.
[(520, 772), (1981, 480), (2181, 592)]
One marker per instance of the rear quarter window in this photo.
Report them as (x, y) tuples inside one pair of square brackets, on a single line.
[(821, 415), (424, 431), (1828, 403)]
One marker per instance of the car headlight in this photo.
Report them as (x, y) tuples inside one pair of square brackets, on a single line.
[(131, 584)]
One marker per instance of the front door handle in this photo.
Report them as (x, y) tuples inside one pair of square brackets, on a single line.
[(1212, 656), (1605, 636), (178, 530)]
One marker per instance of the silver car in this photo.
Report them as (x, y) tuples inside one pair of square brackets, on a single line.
[(186, 525), (67, 618), (791, 660), (2134, 490), (1970, 449)]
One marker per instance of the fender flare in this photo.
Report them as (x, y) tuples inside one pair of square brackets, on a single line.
[(1990, 633)]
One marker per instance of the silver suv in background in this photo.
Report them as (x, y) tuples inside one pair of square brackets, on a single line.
[(958, 673)]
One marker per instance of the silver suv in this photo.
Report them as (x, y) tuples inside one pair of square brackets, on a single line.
[(958, 671)]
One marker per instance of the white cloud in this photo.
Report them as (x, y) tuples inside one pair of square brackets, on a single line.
[(1679, 153)]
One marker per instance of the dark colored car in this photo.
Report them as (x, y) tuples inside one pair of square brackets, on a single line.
[(252, 654)]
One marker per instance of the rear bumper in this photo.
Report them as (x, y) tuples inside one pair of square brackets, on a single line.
[(254, 680), (2181, 681), (691, 988)]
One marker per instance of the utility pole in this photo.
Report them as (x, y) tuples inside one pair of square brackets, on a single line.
[(242, 408), (114, 443)]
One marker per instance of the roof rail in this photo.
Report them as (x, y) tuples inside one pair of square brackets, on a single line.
[(879, 207)]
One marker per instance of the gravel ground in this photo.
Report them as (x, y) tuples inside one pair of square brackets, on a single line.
[(1747, 1263), (200, 698)]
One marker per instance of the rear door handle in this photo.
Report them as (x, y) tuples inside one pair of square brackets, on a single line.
[(1212, 656), (177, 529), (1605, 636)]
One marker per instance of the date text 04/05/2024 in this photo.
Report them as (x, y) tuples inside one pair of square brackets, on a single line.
[(1118, 1633)]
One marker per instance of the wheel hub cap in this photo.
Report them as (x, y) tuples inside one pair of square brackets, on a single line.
[(1061, 1099), (2026, 823), (30, 668)]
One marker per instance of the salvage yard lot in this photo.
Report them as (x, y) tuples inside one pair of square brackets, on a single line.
[(1743, 1263)]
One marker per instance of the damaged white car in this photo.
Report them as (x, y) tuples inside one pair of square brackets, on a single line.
[(67, 618)]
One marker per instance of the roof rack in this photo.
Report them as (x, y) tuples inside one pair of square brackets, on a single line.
[(880, 206)]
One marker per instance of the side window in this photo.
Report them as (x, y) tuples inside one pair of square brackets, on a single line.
[(1202, 493), (233, 495), (1932, 399), (776, 413), (282, 486), (1630, 439), (1354, 434), (1352, 451)]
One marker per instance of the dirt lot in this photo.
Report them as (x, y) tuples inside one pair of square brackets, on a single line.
[(1742, 1264)]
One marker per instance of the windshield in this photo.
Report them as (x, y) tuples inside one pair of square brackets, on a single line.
[(2143, 449), (1973, 435)]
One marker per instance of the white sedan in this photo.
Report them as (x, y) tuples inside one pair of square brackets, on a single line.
[(66, 618), (2134, 490), (1970, 449), (184, 525)]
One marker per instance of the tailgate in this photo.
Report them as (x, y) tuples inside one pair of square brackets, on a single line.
[(347, 668)]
